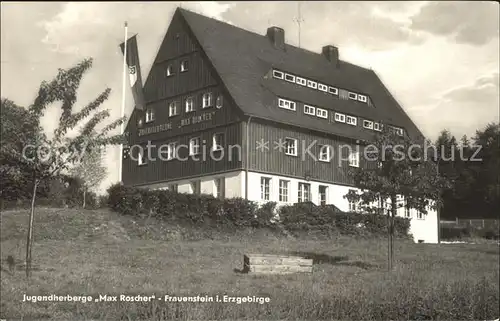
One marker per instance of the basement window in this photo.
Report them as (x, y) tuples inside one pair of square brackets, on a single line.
[(289, 78), (309, 110), (300, 81), (322, 113), (323, 87), (340, 118), (278, 74), (353, 96), (312, 84), (333, 90)]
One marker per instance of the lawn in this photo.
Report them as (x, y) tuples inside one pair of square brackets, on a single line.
[(96, 253)]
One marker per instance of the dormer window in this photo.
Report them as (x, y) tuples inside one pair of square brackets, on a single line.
[(301, 81), (189, 104), (278, 74), (322, 113), (333, 90), (351, 120), (367, 124), (312, 84), (289, 78), (362, 98), (323, 87), (352, 96), (309, 110), (286, 104), (184, 66), (207, 100), (340, 118), (169, 71), (150, 115), (377, 127)]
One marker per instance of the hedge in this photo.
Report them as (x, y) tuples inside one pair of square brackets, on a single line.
[(205, 210)]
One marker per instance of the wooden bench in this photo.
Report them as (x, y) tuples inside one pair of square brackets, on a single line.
[(276, 264)]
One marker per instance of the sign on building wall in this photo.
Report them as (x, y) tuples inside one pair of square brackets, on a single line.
[(181, 123)]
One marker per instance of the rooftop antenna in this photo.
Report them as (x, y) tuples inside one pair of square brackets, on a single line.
[(298, 19)]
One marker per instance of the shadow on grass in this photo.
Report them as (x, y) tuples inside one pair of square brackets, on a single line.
[(333, 260)]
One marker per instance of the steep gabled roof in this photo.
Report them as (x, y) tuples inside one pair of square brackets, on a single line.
[(243, 60)]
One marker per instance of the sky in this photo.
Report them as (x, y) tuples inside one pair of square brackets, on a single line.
[(439, 59)]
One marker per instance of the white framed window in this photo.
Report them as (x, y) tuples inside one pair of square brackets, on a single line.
[(289, 78), (322, 113), (312, 84), (184, 65), (196, 187), (420, 215), (399, 131), (354, 159), (301, 81), (283, 190), (194, 146), (309, 110), (207, 100), (172, 109), (150, 115), (351, 120), (323, 87), (219, 102), (291, 146), (171, 151), (377, 127), (304, 192), (219, 188), (368, 124), (362, 98), (333, 90), (278, 74), (286, 104), (217, 141), (265, 187), (325, 153), (352, 96), (189, 104), (142, 157), (323, 190), (169, 71), (340, 118)]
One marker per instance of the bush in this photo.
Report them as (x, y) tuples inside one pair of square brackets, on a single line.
[(303, 217)]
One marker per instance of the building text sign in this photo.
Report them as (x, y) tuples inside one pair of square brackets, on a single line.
[(183, 122)]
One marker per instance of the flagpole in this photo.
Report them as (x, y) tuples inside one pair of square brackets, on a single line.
[(124, 86)]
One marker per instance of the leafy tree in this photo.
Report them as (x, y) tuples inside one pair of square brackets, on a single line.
[(396, 166), (46, 157), (91, 172)]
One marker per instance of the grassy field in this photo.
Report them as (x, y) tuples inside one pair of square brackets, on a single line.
[(98, 252)]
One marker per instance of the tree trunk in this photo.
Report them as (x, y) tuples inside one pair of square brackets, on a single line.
[(29, 241), (84, 193)]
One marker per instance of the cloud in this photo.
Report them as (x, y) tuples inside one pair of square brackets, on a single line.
[(470, 22), (338, 23)]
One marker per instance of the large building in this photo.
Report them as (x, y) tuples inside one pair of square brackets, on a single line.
[(239, 114)]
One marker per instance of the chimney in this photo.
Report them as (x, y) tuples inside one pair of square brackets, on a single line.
[(331, 53), (277, 37)]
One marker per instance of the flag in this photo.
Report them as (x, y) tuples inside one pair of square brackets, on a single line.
[(134, 71)]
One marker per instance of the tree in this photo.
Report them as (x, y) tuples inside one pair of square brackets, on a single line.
[(46, 157), (90, 171), (396, 166)]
